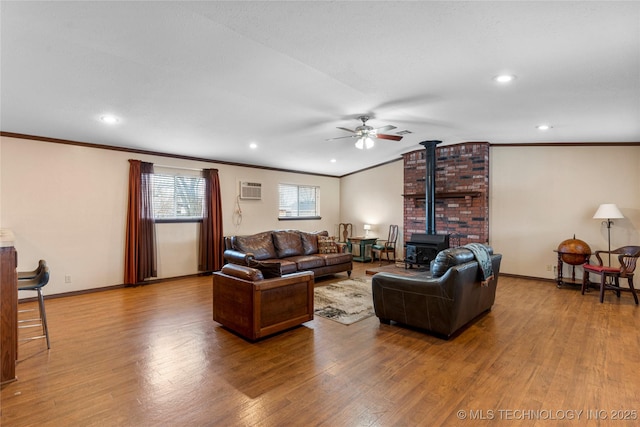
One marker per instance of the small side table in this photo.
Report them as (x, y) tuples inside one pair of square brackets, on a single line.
[(560, 279), (363, 242)]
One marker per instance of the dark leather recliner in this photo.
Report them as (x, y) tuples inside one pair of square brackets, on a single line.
[(441, 301)]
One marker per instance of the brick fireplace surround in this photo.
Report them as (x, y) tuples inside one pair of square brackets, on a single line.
[(462, 192)]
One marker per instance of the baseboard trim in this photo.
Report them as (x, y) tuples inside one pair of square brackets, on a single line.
[(519, 276), (109, 288)]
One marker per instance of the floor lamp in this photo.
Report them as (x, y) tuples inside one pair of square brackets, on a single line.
[(608, 211)]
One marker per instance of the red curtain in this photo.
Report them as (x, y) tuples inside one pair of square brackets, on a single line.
[(140, 244), (211, 234)]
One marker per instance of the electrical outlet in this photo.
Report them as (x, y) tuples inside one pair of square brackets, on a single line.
[(549, 267), (67, 278)]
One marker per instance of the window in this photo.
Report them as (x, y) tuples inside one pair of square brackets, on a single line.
[(177, 197), (299, 201)]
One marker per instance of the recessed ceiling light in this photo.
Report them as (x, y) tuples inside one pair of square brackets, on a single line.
[(504, 78), (109, 119), (253, 145), (544, 127), (333, 160)]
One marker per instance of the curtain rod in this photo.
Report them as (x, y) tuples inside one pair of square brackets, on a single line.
[(178, 167)]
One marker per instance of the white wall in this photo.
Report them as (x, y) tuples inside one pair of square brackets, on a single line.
[(374, 197), (67, 204), (540, 196), (1, 184)]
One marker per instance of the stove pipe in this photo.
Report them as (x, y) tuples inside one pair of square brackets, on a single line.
[(430, 184)]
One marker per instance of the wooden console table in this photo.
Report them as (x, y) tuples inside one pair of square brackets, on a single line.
[(363, 242)]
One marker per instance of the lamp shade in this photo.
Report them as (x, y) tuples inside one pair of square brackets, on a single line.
[(608, 211), (367, 226)]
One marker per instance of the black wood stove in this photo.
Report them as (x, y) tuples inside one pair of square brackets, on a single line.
[(423, 247)]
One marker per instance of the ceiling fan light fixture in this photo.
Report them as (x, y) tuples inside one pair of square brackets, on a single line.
[(365, 135), (364, 142), (504, 78), (109, 119)]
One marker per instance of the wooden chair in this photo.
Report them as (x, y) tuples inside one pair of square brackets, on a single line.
[(386, 246), (345, 230), (610, 276)]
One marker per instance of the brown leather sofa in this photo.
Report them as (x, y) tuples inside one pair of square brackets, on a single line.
[(289, 251), (255, 307), (441, 301)]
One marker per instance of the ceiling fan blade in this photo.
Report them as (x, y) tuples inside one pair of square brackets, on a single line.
[(391, 137), (348, 130), (385, 128), (341, 137)]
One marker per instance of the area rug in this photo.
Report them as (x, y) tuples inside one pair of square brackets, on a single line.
[(346, 302)]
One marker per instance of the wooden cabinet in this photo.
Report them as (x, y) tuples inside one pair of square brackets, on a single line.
[(256, 309), (8, 309)]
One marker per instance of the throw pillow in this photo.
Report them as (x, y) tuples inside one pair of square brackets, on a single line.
[(327, 245)]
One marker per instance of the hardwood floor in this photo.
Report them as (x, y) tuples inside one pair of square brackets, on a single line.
[(152, 355)]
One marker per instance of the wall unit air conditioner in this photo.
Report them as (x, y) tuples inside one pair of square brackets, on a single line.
[(250, 190)]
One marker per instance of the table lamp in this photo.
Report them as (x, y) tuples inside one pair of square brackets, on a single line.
[(367, 227)]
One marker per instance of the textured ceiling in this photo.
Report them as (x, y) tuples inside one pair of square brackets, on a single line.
[(205, 79)]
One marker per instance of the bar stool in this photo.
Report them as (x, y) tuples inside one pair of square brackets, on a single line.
[(35, 283), (22, 275)]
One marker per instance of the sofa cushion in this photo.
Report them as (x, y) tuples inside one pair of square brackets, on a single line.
[(287, 267), (310, 241), (307, 262), (287, 243), (327, 245), (450, 257), (269, 268), (335, 259), (260, 245)]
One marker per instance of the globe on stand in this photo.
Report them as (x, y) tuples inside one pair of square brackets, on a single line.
[(574, 251)]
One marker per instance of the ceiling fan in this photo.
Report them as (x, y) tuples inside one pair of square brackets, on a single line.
[(365, 134)]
